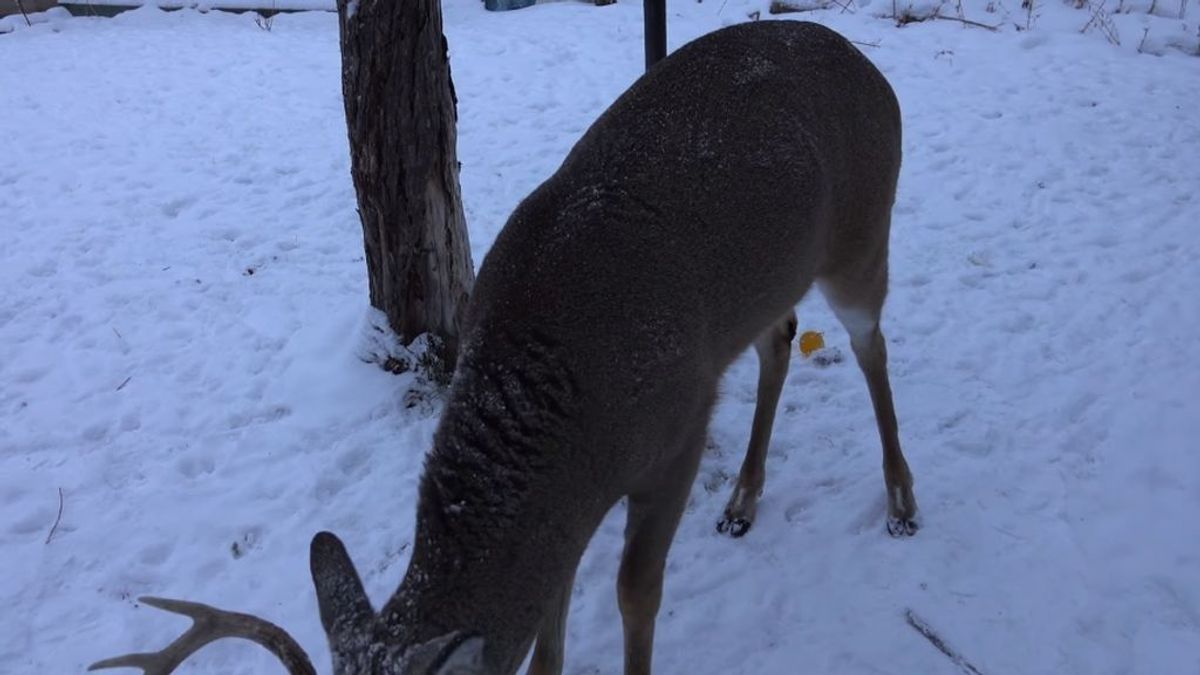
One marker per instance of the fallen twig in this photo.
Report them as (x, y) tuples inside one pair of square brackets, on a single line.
[(57, 519), (966, 22), (1103, 22), (906, 18), (122, 385), (21, 6), (781, 7), (936, 640)]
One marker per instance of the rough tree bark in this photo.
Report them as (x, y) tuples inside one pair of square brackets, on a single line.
[(401, 117)]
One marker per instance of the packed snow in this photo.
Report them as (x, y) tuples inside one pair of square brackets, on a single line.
[(184, 294)]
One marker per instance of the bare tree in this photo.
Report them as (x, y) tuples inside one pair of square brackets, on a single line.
[(400, 114)]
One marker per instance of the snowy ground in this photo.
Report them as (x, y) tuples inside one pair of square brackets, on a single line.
[(183, 286)]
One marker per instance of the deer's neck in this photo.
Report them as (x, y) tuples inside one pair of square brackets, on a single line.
[(499, 520)]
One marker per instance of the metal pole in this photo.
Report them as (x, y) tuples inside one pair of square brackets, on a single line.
[(656, 30)]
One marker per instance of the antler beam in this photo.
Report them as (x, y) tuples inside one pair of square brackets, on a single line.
[(208, 625)]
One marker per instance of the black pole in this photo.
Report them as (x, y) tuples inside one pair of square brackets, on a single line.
[(656, 31)]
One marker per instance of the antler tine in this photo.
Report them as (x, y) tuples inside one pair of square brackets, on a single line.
[(208, 625)]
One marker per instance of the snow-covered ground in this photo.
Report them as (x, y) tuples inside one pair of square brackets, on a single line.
[(183, 290)]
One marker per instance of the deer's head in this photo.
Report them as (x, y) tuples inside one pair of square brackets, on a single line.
[(360, 642)]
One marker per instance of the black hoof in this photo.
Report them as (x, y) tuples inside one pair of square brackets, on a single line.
[(734, 527), (901, 527)]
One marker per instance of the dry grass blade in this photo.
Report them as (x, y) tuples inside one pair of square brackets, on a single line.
[(208, 625), (58, 518)]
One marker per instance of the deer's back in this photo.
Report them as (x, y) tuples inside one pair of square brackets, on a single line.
[(702, 203)]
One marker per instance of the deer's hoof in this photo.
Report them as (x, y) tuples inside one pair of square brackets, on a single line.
[(734, 527), (901, 527)]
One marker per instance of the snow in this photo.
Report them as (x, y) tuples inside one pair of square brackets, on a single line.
[(184, 298), (205, 5)]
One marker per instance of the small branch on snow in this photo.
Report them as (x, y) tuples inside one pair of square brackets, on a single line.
[(905, 18), (122, 385), (918, 624), (58, 518), (783, 7), (21, 6), (1103, 22), (966, 22), (787, 6), (973, 23), (780, 7), (846, 7)]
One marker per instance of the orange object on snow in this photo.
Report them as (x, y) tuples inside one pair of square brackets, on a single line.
[(811, 341)]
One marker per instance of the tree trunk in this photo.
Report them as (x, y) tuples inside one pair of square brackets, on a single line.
[(401, 117)]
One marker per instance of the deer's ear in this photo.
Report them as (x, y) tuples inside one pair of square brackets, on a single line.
[(346, 612)]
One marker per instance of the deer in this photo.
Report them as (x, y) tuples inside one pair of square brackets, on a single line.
[(683, 228)]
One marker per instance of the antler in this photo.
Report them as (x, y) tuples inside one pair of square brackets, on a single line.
[(208, 625)]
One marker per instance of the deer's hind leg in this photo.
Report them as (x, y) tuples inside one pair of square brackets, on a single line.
[(774, 353), (856, 294)]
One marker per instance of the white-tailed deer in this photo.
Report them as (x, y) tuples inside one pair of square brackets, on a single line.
[(682, 228)]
